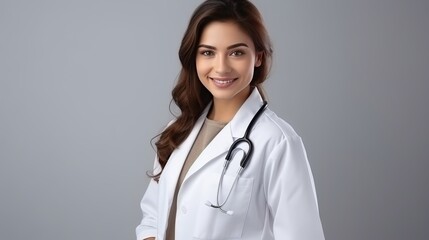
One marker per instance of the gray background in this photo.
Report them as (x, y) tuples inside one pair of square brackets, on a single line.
[(85, 85)]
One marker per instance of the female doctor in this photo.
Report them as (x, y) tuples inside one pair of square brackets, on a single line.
[(265, 189)]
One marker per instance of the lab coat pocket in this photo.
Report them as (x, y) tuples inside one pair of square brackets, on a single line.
[(212, 223)]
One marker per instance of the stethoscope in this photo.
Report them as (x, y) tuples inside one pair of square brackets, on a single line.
[(243, 163)]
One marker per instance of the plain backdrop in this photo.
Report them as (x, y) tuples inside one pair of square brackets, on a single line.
[(85, 85)]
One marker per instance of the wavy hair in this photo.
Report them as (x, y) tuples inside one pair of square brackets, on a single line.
[(190, 96)]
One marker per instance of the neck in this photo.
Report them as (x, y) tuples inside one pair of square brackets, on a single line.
[(223, 110)]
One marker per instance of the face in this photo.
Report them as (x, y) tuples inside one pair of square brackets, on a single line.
[(225, 61)]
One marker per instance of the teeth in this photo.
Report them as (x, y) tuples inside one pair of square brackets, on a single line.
[(223, 81)]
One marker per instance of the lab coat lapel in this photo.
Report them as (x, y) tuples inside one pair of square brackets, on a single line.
[(233, 130), (219, 145), (174, 167)]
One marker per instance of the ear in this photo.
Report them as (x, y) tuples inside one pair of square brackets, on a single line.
[(258, 59)]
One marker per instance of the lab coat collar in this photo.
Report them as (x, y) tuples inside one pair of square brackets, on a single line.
[(245, 114)]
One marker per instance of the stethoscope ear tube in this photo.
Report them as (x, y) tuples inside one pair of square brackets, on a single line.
[(246, 158), (233, 149)]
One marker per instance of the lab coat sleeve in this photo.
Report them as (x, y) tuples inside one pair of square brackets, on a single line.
[(149, 207), (290, 193)]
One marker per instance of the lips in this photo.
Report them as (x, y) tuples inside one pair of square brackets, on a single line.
[(223, 82)]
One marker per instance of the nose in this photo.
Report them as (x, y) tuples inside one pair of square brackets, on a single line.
[(222, 65)]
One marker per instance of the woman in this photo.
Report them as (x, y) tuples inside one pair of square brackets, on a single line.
[(226, 55)]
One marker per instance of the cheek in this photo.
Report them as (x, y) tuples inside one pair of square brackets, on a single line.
[(201, 68), (248, 68)]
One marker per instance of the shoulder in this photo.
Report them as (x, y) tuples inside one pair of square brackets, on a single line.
[(282, 147), (277, 142), (275, 128)]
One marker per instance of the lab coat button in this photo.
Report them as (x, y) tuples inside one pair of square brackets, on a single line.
[(184, 210)]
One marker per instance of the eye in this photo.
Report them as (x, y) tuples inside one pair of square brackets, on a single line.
[(237, 53), (207, 53)]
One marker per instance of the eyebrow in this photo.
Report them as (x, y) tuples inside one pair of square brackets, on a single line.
[(228, 48)]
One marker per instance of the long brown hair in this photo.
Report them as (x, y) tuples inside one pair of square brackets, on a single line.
[(189, 94)]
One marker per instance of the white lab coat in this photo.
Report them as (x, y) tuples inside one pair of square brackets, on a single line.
[(274, 197)]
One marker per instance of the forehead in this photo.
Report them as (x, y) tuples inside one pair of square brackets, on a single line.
[(223, 34)]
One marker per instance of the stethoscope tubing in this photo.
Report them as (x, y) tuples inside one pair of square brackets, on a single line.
[(246, 139), (243, 163)]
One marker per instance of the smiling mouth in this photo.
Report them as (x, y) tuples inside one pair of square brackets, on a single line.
[(223, 81)]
